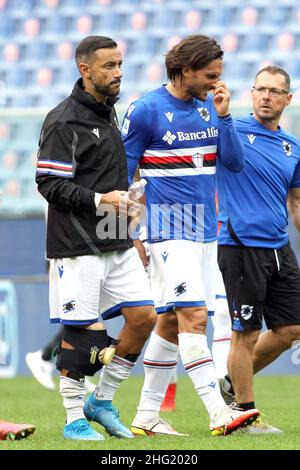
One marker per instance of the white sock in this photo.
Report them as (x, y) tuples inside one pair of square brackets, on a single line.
[(73, 393), (222, 336), (198, 363), (160, 361), (111, 378)]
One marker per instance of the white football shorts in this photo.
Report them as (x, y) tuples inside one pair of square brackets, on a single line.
[(183, 274), (84, 287)]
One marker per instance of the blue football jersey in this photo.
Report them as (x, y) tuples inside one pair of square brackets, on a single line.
[(177, 144), (254, 200)]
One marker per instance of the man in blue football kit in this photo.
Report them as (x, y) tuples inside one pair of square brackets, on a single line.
[(177, 134), (259, 268)]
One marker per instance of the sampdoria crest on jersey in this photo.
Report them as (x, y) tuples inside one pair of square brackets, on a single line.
[(287, 148), (204, 113), (198, 160)]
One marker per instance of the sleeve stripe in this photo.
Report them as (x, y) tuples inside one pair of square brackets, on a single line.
[(54, 164), (49, 171)]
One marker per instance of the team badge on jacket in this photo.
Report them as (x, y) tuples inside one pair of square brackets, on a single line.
[(246, 311), (287, 148)]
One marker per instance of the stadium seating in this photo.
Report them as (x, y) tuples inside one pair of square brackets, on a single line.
[(38, 39)]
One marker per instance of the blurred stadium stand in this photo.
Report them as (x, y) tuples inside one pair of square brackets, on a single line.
[(37, 69)]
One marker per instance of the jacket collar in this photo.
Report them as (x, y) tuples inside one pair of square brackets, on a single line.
[(88, 100)]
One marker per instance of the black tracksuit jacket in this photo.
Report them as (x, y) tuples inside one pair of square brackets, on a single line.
[(80, 153)]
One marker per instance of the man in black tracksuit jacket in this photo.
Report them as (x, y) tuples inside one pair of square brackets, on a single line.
[(82, 137), (82, 173)]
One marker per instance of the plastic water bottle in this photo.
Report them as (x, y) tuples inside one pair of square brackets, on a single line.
[(136, 190)]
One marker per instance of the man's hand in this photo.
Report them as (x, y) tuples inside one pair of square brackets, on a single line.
[(142, 252), (221, 97), (119, 202)]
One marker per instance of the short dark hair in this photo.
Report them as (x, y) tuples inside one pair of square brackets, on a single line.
[(195, 51), (90, 44), (274, 69)]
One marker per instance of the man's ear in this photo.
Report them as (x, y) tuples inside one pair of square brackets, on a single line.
[(288, 99), (186, 71), (85, 70)]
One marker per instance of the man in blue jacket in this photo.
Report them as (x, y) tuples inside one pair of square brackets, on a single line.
[(259, 268)]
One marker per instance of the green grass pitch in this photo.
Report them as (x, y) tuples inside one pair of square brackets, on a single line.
[(24, 400)]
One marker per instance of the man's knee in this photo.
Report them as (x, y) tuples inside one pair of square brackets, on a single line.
[(82, 351), (142, 319), (167, 326), (149, 320), (192, 320), (287, 334), (246, 339)]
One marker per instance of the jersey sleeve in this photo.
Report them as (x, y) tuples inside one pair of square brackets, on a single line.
[(230, 147), (56, 167), (295, 183), (136, 134)]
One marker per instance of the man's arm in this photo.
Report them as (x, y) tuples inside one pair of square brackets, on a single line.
[(230, 147), (136, 137), (136, 130), (294, 206), (56, 170)]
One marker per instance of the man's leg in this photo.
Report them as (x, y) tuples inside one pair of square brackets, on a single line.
[(74, 297), (245, 278), (269, 345), (198, 363), (77, 357), (139, 322), (160, 360), (272, 343), (196, 356), (240, 365), (245, 345)]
